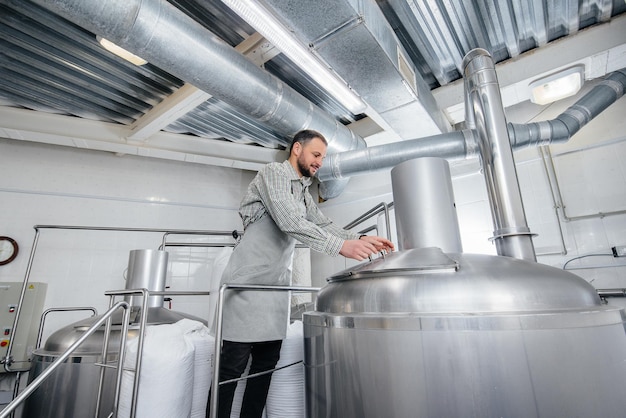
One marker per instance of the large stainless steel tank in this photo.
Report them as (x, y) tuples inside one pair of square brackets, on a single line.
[(72, 390), (422, 333)]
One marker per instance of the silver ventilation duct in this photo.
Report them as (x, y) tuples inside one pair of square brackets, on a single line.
[(452, 145), (166, 37), (355, 39), (464, 144), (564, 126), (160, 33), (490, 141)]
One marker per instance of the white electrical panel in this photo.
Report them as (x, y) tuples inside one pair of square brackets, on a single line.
[(28, 324)]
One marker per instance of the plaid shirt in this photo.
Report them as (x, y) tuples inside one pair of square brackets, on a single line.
[(277, 190)]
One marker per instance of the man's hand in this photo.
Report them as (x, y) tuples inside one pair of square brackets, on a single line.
[(360, 249)]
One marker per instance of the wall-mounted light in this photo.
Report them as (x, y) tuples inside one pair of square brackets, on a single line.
[(273, 30), (557, 86), (120, 52)]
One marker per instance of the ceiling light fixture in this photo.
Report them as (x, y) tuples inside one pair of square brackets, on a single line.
[(557, 86), (269, 26), (120, 52)]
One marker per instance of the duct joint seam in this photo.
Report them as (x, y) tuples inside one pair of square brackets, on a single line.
[(615, 86), (344, 27), (470, 142), (275, 105)]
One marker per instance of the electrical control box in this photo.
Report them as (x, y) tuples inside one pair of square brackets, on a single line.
[(25, 336)]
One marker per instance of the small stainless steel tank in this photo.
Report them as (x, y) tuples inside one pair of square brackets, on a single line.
[(72, 390), (423, 333)]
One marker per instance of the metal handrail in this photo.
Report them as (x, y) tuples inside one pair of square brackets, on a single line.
[(381, 207), (57, 363), (218, 334), (7, 361), (164, 243), (63, 309), (30, 388), (142, 326)]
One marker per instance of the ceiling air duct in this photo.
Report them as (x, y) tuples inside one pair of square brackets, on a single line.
[(464, 144), (356, 41), (160, 33)]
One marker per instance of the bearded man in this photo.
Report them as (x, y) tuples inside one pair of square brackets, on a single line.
[(277, 211)]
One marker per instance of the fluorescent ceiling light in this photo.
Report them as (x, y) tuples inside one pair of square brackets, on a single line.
[(269, 26), (557, 86), (121, 52)]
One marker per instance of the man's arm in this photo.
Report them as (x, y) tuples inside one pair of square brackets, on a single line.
[(315, 229), (355, 247), (275, 191)]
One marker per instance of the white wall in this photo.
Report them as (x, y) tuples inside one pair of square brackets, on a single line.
[(49, 185)]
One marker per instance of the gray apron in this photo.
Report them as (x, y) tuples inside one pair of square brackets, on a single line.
[(263, 256)]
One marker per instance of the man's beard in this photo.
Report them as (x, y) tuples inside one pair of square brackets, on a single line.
[(305, 171)]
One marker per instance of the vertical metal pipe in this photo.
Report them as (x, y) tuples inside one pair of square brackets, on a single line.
[(424, 205), (140, 345), (8, 359), (511, 233), (215, 384), (120, 360)]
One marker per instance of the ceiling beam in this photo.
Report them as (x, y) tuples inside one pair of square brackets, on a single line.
[(30, 125)]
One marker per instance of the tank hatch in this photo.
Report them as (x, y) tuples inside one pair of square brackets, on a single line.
[(414, 261)]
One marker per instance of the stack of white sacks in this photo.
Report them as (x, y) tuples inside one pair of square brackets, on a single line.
[(176, 371), (177, 362)]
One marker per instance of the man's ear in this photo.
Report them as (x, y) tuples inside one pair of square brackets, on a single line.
[(296, 149)]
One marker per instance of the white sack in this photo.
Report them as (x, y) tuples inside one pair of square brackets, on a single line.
[(197, 334), (286, 395), (167, 368)]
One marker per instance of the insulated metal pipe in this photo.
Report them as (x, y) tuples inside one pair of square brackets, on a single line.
[(463, 144), (451, 145), (564, 126), (160, 33), (511, 233)]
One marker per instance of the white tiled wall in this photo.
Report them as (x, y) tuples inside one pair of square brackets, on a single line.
[(592, 181), (593, 187), (47, 185)]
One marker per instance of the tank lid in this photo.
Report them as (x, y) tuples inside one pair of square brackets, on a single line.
[(413, 261), (427, 281)]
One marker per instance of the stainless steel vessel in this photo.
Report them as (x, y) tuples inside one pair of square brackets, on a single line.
[(422, 333), (72, 390)]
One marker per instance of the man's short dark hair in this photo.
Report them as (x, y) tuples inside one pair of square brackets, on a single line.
[(305, 136)]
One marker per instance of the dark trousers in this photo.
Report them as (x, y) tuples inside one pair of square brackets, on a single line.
[(234, 360)]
